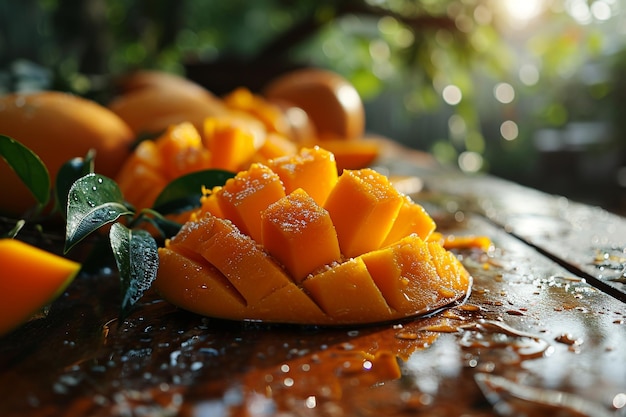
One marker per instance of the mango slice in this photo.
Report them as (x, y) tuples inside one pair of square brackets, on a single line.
[(352, 154), (288, 301), (348, 293), (255, 251), (30, 279), (312, 169), (246, 266), (363, 206), (412, 218), (202, 285), (300, 234), (232, 141), (153, 164), (410, 277), (243, 198)]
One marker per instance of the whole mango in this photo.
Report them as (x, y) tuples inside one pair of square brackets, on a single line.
[(57, 127)]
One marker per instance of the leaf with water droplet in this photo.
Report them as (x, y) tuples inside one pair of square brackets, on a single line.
[(28, 167), (184, 192), (137, 259), (88, 210), (69, 172)]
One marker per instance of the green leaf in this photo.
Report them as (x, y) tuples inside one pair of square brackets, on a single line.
[(184, 192), (165, 226), (28, 166), (69, 172), (93, 201), (137, 259)]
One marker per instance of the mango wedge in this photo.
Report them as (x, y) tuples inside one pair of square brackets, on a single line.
[(30, 279)]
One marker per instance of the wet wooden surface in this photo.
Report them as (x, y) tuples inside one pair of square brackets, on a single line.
[(534, 338)]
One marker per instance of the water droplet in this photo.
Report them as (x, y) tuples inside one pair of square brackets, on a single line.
[(310, 402)]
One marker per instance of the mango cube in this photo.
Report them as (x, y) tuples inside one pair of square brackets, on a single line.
[(300, 234), (363, 206)]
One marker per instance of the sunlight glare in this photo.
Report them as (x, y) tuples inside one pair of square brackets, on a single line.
[(522, 9)]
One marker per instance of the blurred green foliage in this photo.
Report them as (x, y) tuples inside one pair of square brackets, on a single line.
[(562, 59)]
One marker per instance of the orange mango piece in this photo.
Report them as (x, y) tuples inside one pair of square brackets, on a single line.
[(363, 206), (453, 278), (232, 141), (269, 114), (299, 234), (312, 169), (31, 278), (412, 218), (288, 304), (347, 293), (244, 197), (464, 242), (352, 154), (182, 151), (140, 179), (197, 285), (154, 163), (240, 259), (412, 280), (275, 146)]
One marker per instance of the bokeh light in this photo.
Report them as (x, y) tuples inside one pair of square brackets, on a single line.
[(529, 74), (504, 93), (509, 130), (452, 94), (470, 161)]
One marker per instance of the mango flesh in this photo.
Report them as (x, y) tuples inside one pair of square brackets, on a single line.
[(243, 198), (312, 169), (363, 206), (300, 234), (30, 279), (307, 264)]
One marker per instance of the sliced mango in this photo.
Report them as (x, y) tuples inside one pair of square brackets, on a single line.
[(275, 146), (244, 197), (30, 279), (347, 293), (312, 169), (232, 140), (412, 279), (363, 206), (369, 254), (288, 304), (248, 268), (300, 234), (352, 154), (202, 287), (412, 218), (209, 202), (154, 163), (182, 151)]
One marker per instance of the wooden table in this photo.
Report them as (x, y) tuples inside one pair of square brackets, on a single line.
[(543, 332)]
